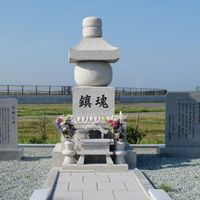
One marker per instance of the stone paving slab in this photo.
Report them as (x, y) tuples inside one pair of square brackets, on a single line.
[(96, 185), (82, 186), (67, 195), (98, 195), (129, 195)]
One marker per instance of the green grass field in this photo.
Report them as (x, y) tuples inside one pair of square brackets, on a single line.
[(37, 119)]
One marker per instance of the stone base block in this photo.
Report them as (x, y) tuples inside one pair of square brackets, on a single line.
[(190, 152), (131, 159), (11, 154), (100, 167), (158, 194), (57, 156)]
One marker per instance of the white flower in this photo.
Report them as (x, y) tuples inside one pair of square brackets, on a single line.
[(64, 129)]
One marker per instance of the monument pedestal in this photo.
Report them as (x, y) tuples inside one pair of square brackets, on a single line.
[(11, 154), (58, 158), (190, 152)]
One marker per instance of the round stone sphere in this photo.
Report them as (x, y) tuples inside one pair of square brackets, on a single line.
[(93, 73)]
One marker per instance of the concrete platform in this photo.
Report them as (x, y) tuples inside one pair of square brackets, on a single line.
[(11, 154), (104, 167), (58, 158), (98, 185)]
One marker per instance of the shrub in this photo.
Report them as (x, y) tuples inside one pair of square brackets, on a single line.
[(134, 133), (166, 187), (42, 124), (42, 137)]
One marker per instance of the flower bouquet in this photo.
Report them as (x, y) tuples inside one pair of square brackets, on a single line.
[(115, 123), (65, 126)]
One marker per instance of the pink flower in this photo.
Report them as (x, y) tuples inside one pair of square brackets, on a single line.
[(59, 120), (115, 124)]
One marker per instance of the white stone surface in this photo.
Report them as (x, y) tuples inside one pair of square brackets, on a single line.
[(158, 194), (120, 157), (96, 178), (93, 47), (120, 152), (41, 194), (98, 195), (82, 186), (98, 185), (129, 195), (57, 156), (67, 195), (94, 95), (112, 186), (97, 147), (69, 153), (92, 27), (98, 167), (92, 73)]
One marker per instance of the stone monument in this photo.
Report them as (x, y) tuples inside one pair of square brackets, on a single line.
[(182, 124), (8, 130), (93, 102)]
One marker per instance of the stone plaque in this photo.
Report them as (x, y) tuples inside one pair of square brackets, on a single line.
[(8, 123), (93, 101), (183, 119)]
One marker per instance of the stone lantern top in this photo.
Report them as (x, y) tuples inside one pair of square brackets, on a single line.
[(93, 47), (92, 27)]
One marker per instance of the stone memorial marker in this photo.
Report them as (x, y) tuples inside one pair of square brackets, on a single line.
[(93, 73), (8, 130), (182, 124), (93, 103)]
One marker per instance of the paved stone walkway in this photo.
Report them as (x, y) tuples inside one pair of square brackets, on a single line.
[(98, 186)]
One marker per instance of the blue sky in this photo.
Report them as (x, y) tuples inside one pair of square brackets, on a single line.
[(159, 41)]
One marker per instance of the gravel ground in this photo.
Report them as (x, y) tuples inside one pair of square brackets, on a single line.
[(18, 179), (180, 175)]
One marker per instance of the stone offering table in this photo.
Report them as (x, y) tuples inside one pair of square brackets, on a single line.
[(95, 147)]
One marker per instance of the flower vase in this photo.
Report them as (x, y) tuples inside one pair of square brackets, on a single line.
[(68, 152), (63, 140), (120, 152)]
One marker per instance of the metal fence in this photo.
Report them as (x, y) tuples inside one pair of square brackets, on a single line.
[(139, 91), (67, 90)]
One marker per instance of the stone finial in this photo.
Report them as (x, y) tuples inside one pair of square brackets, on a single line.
[(92, 27), (93, 47)]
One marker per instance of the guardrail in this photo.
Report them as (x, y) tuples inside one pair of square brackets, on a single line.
[(67, 90)]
